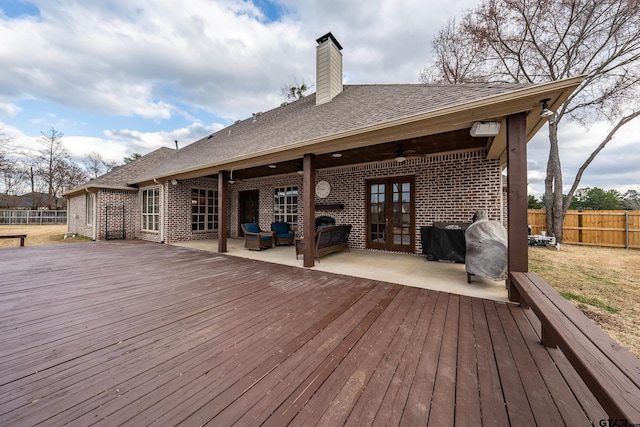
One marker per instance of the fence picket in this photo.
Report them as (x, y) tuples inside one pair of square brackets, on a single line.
[(618, 229), (25, 216)]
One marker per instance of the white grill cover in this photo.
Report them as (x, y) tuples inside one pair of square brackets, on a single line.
[(486, 249)]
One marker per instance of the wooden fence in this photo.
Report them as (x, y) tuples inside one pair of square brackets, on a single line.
[(620, 229), (23, 216)]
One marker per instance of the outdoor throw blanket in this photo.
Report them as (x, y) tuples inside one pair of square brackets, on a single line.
[(486, 248)]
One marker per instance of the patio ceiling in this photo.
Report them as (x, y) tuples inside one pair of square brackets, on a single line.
[(412, 147)]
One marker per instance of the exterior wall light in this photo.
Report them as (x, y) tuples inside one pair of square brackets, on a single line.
[(546, 112)]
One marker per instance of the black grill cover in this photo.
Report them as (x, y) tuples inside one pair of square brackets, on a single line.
[(442, 243)]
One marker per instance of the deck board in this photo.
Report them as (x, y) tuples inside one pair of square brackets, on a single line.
[(492, 403), (542, 405), (136, 333), (467, 409)]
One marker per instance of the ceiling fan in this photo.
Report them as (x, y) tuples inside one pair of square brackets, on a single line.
[(400, 155)]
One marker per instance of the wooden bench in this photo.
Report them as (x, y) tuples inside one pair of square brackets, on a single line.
[(14, 236), (610, 371), (327, 240)]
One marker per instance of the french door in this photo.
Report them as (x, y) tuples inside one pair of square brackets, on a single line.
[(390, 214), (248, 208)]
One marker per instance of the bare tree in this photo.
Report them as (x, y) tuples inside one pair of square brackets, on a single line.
[(459, 57), (5, 147), (54, 167), (545, 40), (5, 142), (95, 165), (13, 178), (292, 91), (10, 171), (70, 175)]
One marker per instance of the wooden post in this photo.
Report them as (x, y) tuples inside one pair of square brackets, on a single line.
[(518, 254), (222, 211), (626, 229), (309, 196)]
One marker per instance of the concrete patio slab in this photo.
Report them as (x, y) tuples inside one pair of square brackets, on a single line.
[(405, 269)]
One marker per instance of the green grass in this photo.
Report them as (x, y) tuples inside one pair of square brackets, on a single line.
[(537, 268), (76, 238), (594, 302)]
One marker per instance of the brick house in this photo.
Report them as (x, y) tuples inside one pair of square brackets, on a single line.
[(401, 154)]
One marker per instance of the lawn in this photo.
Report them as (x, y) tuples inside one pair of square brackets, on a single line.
[(602, 282), (37, 235)]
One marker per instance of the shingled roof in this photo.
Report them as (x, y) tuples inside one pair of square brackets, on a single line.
[(358, 107), (122, 177)]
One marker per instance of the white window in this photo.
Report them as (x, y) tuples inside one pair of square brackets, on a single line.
[(89, 208), (285, 205), (204, 209), (151, 209)]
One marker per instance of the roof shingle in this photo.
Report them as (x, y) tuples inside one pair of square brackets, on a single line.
[(357, 107)]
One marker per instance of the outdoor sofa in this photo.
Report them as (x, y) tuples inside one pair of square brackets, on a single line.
[(327, 239)]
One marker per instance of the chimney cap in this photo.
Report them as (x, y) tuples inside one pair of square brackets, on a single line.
[(327, 37)]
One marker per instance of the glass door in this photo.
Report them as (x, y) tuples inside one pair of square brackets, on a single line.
[(390, 214)]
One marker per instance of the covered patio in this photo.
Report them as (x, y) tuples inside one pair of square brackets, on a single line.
[(395, 267), (138, 333)]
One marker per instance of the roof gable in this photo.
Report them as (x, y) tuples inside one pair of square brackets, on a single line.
[(122, 177)]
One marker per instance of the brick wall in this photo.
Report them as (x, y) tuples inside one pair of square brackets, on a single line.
[(177, 216), (448, 187), (266, 188), (115, 200), (77, 213), (77, 216)]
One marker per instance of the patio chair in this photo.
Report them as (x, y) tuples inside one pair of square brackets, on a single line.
[(256, 239), (282, 232)]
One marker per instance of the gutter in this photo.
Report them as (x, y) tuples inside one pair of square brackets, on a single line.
[(75, 191)]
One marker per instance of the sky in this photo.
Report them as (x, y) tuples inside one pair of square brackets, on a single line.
[(118, 77)]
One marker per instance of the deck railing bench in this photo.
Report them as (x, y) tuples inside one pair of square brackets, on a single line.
[(610, 371), (14, 236)]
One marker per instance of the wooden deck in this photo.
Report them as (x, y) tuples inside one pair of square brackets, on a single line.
[(135, 333)]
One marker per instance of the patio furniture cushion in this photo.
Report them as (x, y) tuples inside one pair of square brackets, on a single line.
[(282, 231), (256, 239), (328, 239), (252, 227)]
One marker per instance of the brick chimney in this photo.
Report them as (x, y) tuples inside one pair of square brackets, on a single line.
[(328, 68)]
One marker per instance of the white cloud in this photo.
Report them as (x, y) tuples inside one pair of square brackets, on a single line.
[(617, 166), (163, 59), (116, 144), (8, 110), (143, 57), (145, 142), (122, 58)]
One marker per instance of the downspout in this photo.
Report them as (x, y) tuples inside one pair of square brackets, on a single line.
[(94, 215), (68, 222), (162, 208)]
